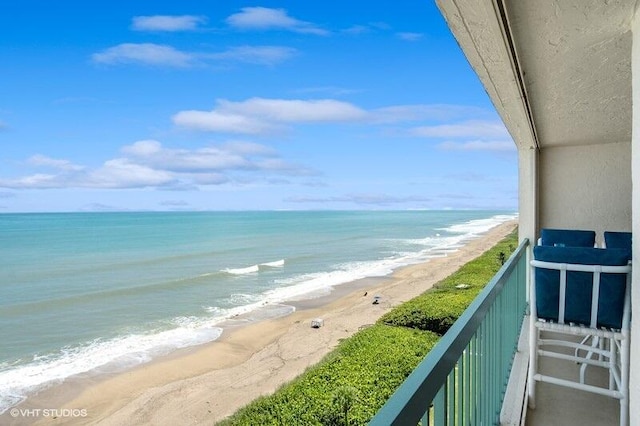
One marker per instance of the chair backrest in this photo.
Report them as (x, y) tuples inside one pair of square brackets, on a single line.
[(569, 279), (567, 238), (617, 240)]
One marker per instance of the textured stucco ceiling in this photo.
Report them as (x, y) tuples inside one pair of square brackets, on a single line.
[(575, 56)]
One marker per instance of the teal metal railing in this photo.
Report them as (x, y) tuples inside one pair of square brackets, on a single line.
[(463, 379)]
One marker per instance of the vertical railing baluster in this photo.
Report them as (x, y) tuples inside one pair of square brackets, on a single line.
[(440, 406), (460, 391), (475, 377), (467, 384), (426, 418), (495, 359), (484, 371), (451, 406), (498, 363)]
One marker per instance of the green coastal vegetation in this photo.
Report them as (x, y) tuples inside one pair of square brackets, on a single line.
[(353, 381)]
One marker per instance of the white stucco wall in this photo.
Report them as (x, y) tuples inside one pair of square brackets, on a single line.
[(634, 399), (586, 187), (527, 189)]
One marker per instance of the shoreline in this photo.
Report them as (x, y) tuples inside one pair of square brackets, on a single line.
[(208, 382)]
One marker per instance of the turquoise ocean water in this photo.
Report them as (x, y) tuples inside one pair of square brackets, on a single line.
[(93, 292)]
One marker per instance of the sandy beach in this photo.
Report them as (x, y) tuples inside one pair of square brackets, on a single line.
[(204, 384)]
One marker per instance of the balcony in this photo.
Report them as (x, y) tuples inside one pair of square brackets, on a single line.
[(476, 375)]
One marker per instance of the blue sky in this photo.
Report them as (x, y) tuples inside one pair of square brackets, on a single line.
[(194, 105)]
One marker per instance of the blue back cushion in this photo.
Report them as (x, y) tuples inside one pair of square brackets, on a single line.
[(618, 240), (580, 285), (568, 238)]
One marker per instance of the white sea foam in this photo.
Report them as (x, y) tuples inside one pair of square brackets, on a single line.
[(253, 269), (317, 284), (276, 264), (242, 271), (478, 226), (302, 286), (249, 303), (241, 299), (19, 381)]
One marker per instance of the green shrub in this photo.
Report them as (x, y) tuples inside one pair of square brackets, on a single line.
[(437, 309), (361, 373), (435, 313)]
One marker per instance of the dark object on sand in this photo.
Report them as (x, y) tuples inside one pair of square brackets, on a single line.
[(376, 299)]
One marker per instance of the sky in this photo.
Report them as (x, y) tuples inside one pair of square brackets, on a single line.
[(243, 105)]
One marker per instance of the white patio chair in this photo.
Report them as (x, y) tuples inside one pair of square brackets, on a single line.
[(583, 292)]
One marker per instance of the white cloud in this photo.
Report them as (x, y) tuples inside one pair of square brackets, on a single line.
[(168, 56), (284, 167), (490, 136), (382, 26), (99, 207), (122, 173), (259, 115), (170, 23), (357, 29), (410, 36), (144, 147), (261, 55), (151, 153), (425, 112), (36, 181), (263, 116), (44, 161), (174, 203), (364, 199), (295, 111), (370, 27), (478, 145), (148, 164), (145, 53), (263, 18), (209, 179), (215, 121), (249, 148), (471, 128)]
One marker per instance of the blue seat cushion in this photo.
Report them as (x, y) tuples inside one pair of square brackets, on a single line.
[(580, 285), (568, 237), (617, 240)]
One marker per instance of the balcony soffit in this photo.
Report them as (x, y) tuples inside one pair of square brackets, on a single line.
[(575, 58)]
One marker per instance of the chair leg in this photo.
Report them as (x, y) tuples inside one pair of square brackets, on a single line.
[(533, 364), (613, 363), (624, 373), (595, 341), (583, 342)]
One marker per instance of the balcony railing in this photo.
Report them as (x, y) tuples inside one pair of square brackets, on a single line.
[(462, 381)]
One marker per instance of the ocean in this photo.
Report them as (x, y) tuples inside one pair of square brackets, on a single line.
[(87, 293)]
